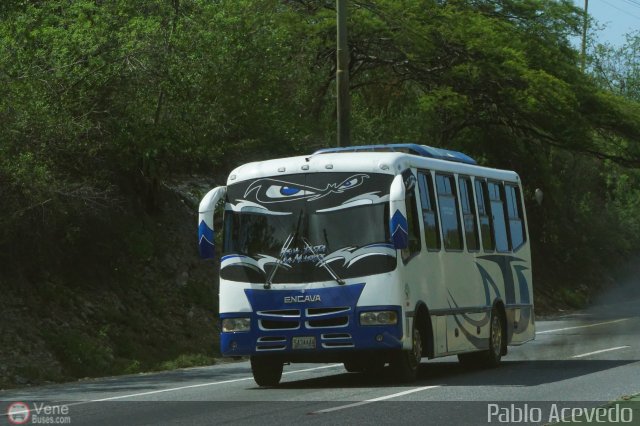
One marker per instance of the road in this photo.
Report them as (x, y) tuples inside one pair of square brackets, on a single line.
[(578, 360)]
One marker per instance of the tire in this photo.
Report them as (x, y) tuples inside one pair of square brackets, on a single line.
[(496, 340), (405, 363), (370, 366), (489, 358), (374, 367), (266, 371), (354, 367)]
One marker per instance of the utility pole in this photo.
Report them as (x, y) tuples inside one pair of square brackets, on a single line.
[(585, 23), (342, 75)]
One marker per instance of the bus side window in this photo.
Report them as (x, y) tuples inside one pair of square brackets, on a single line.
[(484, 213), (468, 214), (516, 222), (414, 226), (496, 195), (429, 216), (449, 214)]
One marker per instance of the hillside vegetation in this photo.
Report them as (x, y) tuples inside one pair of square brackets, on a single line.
[(109, 110)]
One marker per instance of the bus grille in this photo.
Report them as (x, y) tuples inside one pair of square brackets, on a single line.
[(336, 340), (271, 343), (282, 313), (316, 312), (328, 323), (274, 321), (270, 324)]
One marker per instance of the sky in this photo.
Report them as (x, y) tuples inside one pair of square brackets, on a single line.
[(619, 16)]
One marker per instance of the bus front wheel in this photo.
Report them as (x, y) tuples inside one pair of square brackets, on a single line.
[(371, 366), (405, 363), (266, 371)]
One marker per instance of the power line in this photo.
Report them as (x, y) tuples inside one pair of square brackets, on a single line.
[(621, 10), (632, 3)]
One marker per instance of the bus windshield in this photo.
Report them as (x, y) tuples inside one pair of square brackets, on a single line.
[(307, 226)]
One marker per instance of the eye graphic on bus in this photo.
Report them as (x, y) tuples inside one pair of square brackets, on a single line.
[(351, 182), (276, 191), (288, 190)]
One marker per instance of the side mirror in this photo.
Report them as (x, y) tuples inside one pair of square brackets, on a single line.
[(398, 225), (539, 196), (206, 233)]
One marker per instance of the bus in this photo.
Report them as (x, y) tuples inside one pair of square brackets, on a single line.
[(368, 256)]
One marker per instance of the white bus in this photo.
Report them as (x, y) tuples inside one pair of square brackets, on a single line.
[(371, 255)]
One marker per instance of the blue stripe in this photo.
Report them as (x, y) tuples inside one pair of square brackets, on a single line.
[(399, 230), (206, 241)]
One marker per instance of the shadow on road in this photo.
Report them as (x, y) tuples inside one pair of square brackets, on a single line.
[(135, 383), (510, 373)]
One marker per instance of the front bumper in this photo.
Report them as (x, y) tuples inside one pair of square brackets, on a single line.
[(333, 329)]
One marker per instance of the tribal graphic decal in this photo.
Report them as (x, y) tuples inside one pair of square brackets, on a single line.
[(358, 200), (293, 256), (248, 206), (505, 264), (351, 255), (337, 220), (277, 191), (255, 264), (507, 269)]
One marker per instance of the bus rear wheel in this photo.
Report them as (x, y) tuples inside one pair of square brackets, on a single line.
[(489, 358), (266, 371), (496, 340)]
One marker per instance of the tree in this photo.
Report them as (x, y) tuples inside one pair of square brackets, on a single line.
[(102, 100)]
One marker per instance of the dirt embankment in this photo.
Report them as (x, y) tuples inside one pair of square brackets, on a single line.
[(139, 299)]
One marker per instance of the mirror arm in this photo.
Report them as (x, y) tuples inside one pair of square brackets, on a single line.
[(206, 233), (398, 225)]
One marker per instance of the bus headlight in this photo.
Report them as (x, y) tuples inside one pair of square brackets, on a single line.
[(378, 318), (236, 324)]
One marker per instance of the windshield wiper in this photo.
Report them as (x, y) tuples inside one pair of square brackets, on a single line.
[(323, 263), (283, 253)]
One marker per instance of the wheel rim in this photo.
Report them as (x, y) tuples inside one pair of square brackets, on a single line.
[(496, 335), (417, 349)]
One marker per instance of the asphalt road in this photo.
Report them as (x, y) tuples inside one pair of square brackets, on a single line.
[(577, 361)]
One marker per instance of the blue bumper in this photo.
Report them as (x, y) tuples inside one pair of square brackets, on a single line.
[(319, 321)]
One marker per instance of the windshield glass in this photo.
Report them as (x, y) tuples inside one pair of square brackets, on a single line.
[(302, 223)]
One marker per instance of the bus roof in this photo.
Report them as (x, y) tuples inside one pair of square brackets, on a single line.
[(408, 148), (377, 161)]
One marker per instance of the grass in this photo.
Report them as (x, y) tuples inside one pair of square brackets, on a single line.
[(574, 298), (186, 361)]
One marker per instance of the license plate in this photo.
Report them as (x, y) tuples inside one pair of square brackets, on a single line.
[(303, 342)]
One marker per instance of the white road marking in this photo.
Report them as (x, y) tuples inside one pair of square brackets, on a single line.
[(113, 398), (204, 384), (582, 326), (600, 351), (369, 401)]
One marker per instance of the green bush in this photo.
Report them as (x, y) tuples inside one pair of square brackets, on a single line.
[(82, 355), (186, 361)]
